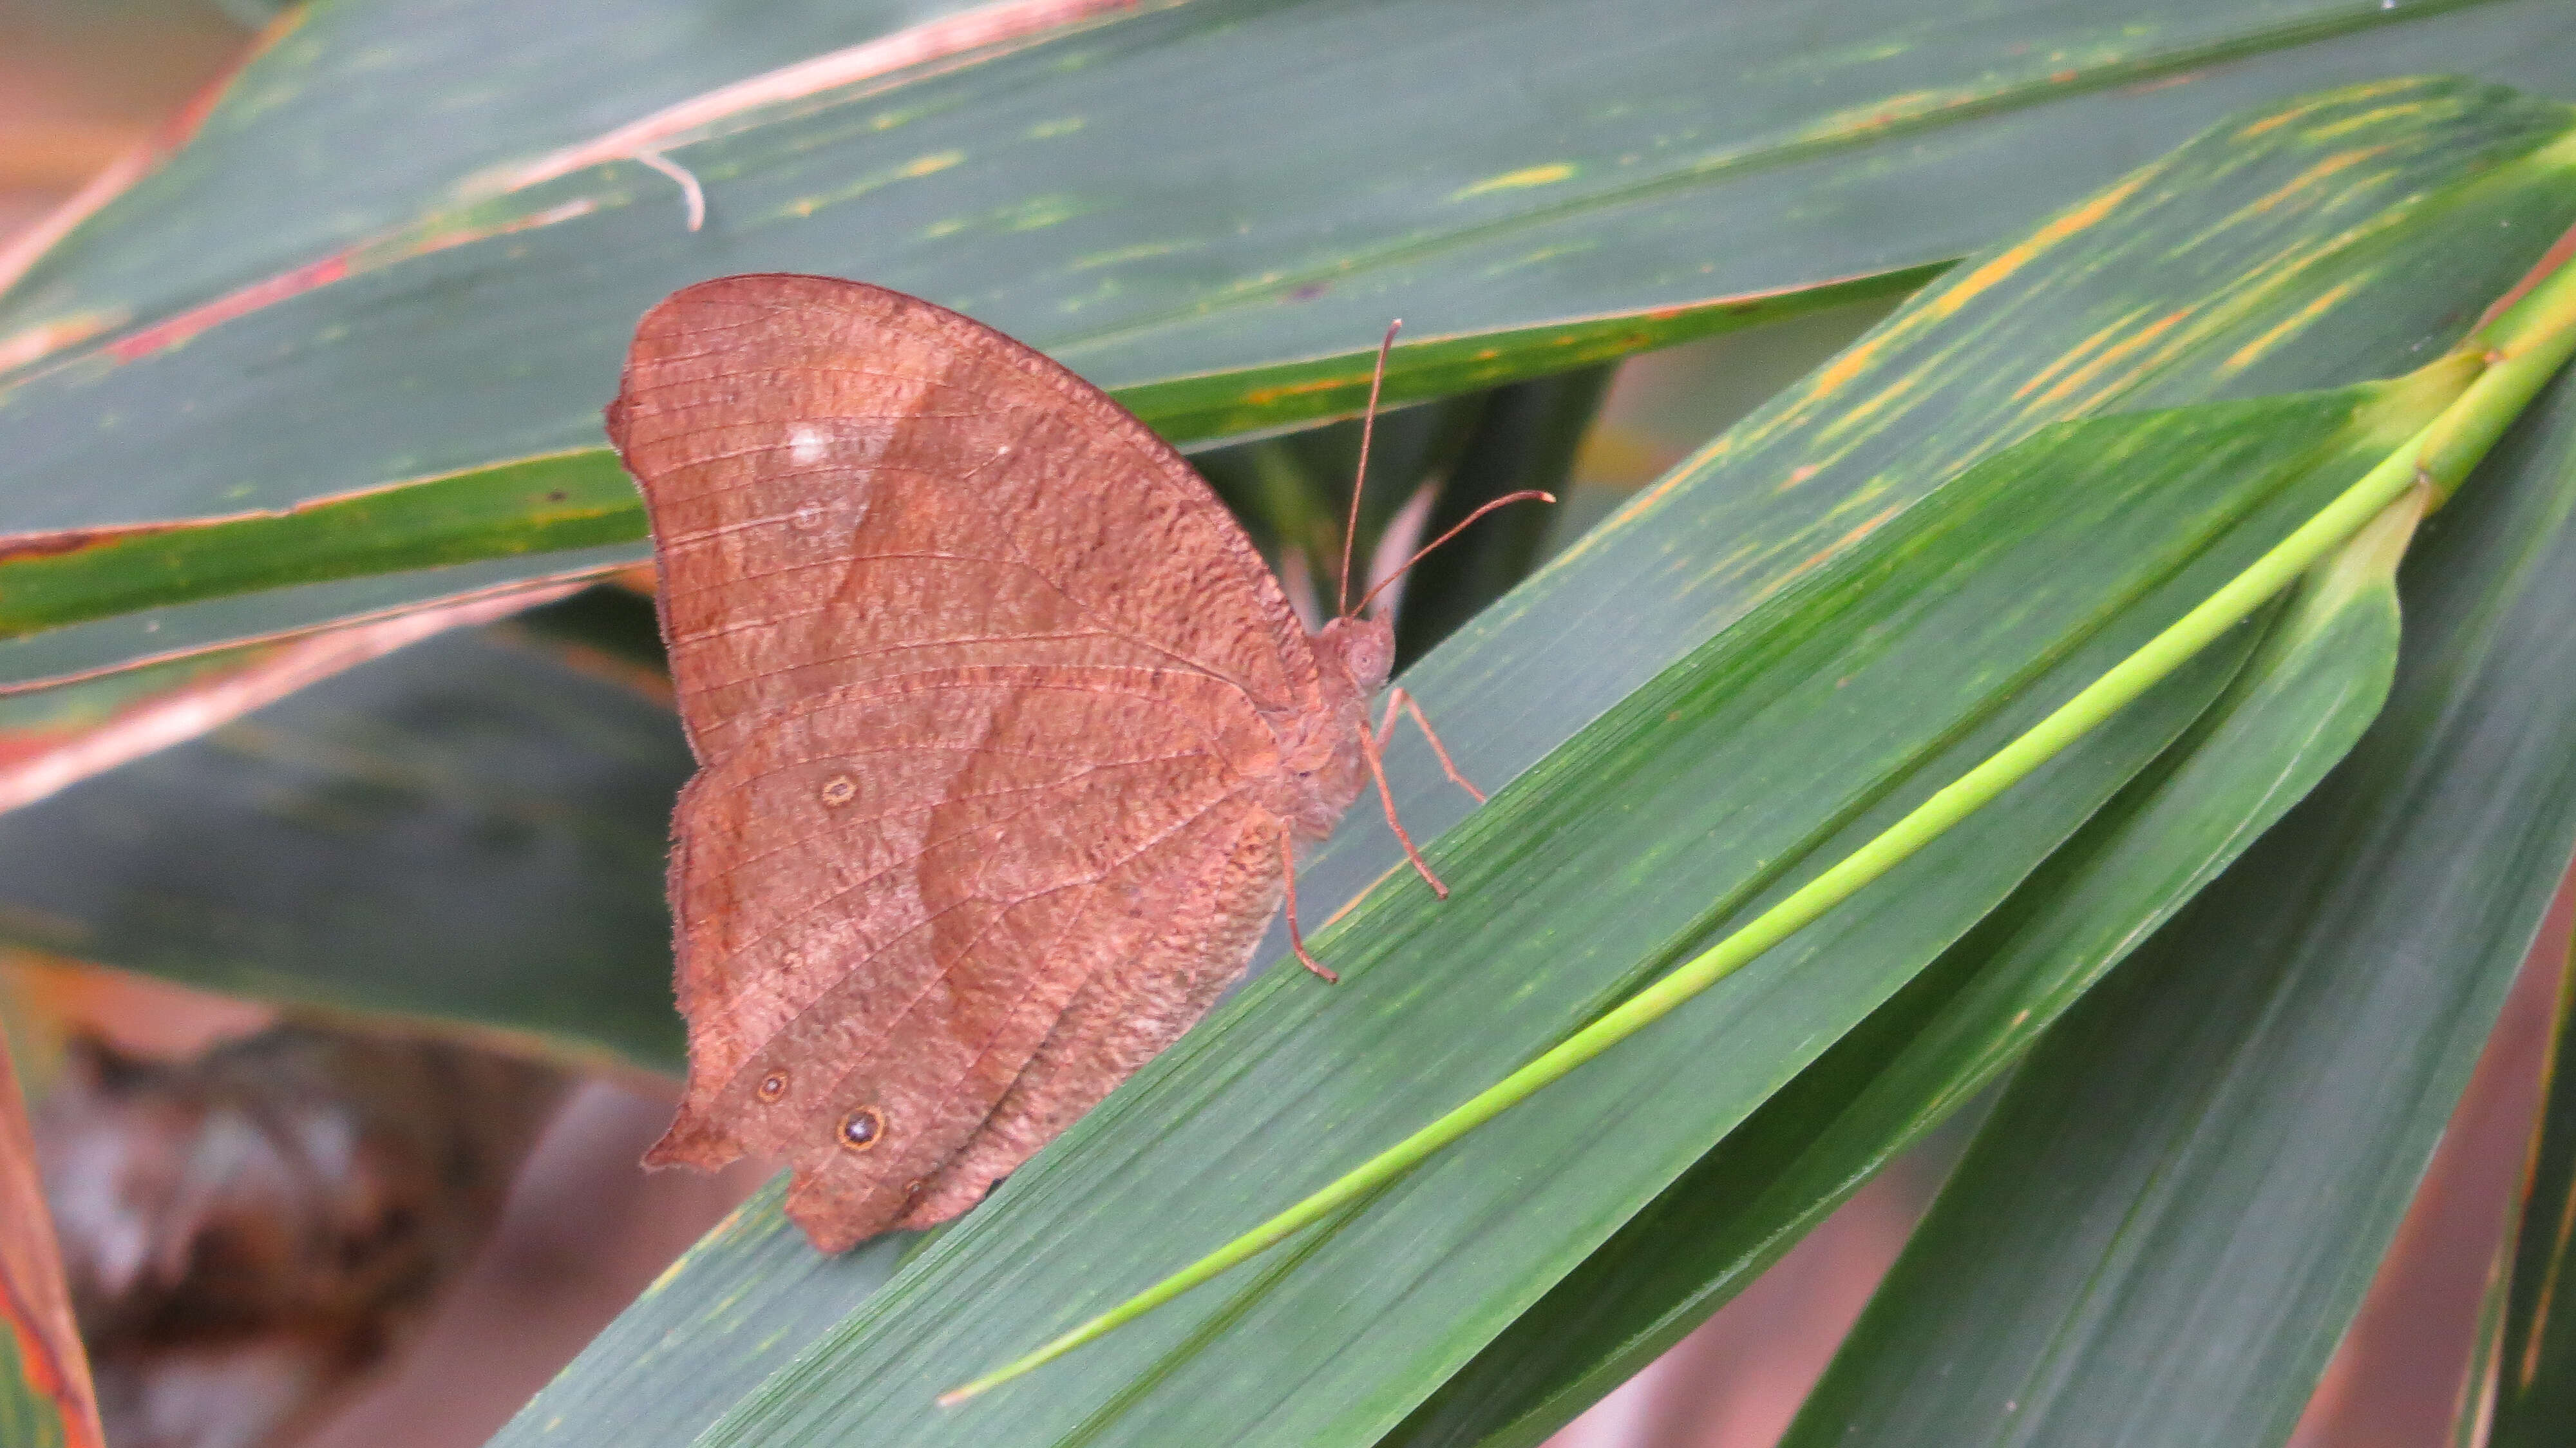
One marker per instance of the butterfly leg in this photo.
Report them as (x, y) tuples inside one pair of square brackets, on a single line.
[(1397, 698), (1386, 796), (1297, 937)]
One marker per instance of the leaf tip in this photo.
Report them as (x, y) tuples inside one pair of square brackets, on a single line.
[(1097, 1327), (979, 1386)]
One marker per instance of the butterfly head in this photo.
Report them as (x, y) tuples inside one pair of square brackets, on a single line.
[(1362, 648)]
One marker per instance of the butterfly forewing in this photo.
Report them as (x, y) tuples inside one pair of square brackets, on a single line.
[(989, 695), (846, 482)]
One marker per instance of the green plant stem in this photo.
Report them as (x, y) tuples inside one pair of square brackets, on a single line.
[(2521, 348)]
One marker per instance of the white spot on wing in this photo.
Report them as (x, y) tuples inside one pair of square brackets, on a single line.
[(806, 444)]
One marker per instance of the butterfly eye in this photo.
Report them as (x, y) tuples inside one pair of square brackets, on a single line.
[(861, 1129), (772, 1086), (840, 789)]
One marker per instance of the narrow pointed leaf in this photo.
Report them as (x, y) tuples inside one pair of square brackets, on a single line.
[(2301, 700), (2197, 1172)]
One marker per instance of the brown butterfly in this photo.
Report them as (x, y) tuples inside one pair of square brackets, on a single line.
[(1007, 738)]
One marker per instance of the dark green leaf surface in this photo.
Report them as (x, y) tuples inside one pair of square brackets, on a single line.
[(2533, 1388), (1215, 263), (467, 831), (322, 137), (1525, 437), (1818, 551), (2167, 1222), (2298, 705)]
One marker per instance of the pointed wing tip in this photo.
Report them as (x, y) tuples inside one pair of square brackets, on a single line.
[(692, 1141)]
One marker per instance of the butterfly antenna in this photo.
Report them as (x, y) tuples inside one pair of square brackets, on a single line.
[(1359, 479), (1525, 495)]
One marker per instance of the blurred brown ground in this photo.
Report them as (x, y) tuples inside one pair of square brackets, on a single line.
[(586, 1229), (81, 81)]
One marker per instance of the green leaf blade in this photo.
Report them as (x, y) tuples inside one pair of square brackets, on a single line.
[(471, 334), (2302, 698), (2197, 1173), (315, 143)]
